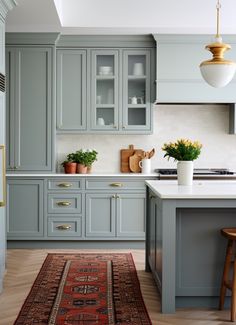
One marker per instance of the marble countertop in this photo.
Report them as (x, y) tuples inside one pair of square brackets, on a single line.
[(214, 189), (82, 175)]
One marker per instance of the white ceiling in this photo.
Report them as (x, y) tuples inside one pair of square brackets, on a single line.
[(121, 16)]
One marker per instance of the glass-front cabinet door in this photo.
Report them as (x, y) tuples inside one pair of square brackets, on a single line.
[(104, 97), (136, 90)]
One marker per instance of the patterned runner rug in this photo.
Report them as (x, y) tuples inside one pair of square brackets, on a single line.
[(85, 289)]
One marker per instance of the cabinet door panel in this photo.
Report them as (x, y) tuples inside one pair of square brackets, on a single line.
[(104, 90), (29, 108), (33, 115), (131, 215), (71, 90), (136, 90), (25, 208), (100, 215)]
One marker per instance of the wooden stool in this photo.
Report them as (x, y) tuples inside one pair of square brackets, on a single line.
[(230, 234)]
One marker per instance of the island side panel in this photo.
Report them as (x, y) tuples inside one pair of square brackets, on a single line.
[(200, 253), (168, 255)]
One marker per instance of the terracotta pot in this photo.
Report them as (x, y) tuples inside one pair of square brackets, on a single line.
[(81, 169), (70, 167)]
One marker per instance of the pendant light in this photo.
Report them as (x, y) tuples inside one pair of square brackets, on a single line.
[(218, 72)]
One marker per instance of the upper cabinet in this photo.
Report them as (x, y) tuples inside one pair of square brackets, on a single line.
[(71, 90), (105, 89), (104, 98), (30, 111), (178, 75), (136, 90)]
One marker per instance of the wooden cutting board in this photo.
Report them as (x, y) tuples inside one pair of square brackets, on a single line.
[(125, 154), (124, 158), (134, 161)]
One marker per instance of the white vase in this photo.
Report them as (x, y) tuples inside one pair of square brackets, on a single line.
[(185, 172)]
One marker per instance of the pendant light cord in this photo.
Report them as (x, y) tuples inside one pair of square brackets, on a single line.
[(218, 6)]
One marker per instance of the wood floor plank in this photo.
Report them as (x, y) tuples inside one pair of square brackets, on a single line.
[(23, 266)]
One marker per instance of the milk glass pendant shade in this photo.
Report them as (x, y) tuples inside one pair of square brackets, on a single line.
[(218, 72)]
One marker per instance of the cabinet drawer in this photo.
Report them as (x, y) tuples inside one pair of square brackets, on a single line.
[(114, 184), (64, 227), (65, 203), (64, 184)]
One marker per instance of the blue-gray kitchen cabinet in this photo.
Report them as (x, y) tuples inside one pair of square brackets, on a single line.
[(121, 97), (104, 99), (71, 90), (100, 215), (130, 220), (118, 216), (30, 122), (136, 95), (25, 208)]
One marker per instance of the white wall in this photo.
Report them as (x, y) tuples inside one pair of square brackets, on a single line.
[(206, 123)]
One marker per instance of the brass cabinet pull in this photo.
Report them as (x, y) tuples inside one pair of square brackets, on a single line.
[(64, 185), (63, 227), (113, 196), (64, 203), (117, 196), (116, 184)]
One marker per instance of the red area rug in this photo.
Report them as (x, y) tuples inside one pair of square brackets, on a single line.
[(85, 289)]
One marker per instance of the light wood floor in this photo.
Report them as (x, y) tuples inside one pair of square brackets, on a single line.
[(23, 266)]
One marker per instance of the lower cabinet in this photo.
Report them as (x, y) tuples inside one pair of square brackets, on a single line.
[(100, 215), (78, 208), (115, 215), (25, 209)]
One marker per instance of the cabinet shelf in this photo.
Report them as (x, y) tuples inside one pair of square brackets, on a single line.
[(132, 77), (105, 77), (105, 106)]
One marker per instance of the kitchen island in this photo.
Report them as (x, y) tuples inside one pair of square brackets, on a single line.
[(184, 249)]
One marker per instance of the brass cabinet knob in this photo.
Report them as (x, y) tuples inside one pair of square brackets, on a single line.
[(64, 185), (117, 196), (64, 203), (113, 196), (116, 184), (63, 227)]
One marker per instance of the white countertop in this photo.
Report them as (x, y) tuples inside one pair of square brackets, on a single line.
[(215, 189), (82, 175)]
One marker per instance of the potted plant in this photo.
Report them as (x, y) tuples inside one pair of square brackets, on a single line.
[(184, 151), (84, 159), (70, 164)]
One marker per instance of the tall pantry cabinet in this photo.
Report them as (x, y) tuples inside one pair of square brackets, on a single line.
[(30, 102)]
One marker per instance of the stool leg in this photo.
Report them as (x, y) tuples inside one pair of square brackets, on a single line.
[(233, 302), (225, 273)]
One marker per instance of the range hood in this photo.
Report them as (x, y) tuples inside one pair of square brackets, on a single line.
[(179, 80)]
